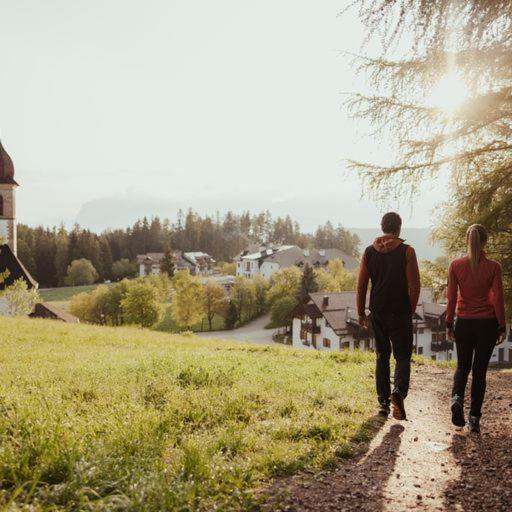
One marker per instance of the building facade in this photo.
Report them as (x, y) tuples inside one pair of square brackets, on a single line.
[(265, 261), (197, 263), (328, 322)]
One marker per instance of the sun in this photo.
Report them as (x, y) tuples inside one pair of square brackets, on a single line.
[(449, 93)]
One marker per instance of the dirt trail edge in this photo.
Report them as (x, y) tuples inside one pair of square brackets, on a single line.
[(424, 463)]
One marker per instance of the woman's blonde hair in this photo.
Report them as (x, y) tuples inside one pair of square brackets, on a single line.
[(476, 238)]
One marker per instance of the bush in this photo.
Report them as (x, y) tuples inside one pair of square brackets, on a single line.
[(20, 300), (187, 300), (81, 272)]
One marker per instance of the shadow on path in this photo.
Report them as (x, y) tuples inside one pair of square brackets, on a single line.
[(485, 460), (358, 485)]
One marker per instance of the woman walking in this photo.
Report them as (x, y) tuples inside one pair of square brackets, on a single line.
[(475, 297)]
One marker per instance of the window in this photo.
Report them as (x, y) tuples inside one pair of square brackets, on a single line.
[(434, 357), (1, 206), (420, 351), (327, 343), (421, 330), (247, 266)]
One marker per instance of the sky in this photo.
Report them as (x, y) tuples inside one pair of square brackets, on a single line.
[(114, 109)]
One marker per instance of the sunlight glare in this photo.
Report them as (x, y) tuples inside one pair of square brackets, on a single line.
[(449, 93)]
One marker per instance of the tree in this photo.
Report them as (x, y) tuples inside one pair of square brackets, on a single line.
[(244, 298), (81, 306), (167, 265), (140, 306), (228, 269), (471, 134), (336, 278), (434, 275), (187, 300), (308, 283), (215, 301), (123, 268), (81, 272), (20, 300), (260, 289), (61, 256), (284, 283), (280, 311), (231, 316)]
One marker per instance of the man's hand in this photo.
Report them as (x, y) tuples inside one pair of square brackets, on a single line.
[(501, 338), (363, 321), (450, 335)]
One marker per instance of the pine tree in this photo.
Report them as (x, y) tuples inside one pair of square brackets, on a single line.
[(167, 265), (232, 316), (308, 283)]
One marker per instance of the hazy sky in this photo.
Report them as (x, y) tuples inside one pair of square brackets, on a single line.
[(115, 108)]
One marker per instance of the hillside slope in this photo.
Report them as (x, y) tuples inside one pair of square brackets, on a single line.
[(97, 418)]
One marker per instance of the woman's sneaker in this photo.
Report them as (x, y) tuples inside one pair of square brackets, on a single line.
[(474, 424), (458, 412)]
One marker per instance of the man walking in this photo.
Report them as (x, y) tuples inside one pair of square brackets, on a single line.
[(392, 268)]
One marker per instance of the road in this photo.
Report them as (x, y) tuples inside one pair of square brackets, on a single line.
[(253, 331)]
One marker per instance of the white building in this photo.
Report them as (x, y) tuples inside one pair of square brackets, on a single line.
[(328, 321), (198, 263), (267, 260)]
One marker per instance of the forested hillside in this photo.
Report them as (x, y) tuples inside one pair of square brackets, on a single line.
[(47, 252)]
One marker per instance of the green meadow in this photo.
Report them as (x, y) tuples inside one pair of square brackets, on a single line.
[(97, 418)]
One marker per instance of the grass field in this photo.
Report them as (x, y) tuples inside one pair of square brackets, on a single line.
[(96, 418), (65, 293)]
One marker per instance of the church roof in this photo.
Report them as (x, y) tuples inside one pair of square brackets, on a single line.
[(9, 261), (6, 168)]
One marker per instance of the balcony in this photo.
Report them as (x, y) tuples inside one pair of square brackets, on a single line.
[(309, 328), (441, 346)]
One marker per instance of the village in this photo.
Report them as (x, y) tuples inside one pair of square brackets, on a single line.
[(322, 319)]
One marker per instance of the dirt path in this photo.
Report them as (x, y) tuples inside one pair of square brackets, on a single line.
[(421, 464)]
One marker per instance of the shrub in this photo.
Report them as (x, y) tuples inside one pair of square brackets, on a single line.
[(187, 299), (20, 300)]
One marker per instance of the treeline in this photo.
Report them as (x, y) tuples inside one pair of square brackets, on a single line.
[(48, 252)]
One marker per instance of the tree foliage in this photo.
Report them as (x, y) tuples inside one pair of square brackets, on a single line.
[(81, 272), (308, 282), (141, 306), (19, 298), (284, 283), (187, 299), (280, 311), (473, 139), (335, 277), (215, 301)]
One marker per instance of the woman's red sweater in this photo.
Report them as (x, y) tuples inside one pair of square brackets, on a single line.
[(480, 292)]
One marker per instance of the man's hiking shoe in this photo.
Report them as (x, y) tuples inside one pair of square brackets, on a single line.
[(474, 424), (458, 413), (398, 406), (384, 409)]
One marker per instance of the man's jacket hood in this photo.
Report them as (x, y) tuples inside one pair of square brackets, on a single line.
[(387, 243)]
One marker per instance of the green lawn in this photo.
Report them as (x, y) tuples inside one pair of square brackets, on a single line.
[(65, 293), (96, 418)]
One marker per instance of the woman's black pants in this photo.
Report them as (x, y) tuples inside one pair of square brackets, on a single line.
[(475, 340)]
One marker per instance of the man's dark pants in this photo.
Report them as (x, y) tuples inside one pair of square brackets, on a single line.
[(393, 334)]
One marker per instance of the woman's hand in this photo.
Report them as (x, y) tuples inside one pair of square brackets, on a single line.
[(501, 338), (450, 334)]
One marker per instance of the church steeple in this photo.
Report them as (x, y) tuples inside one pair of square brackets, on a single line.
[(7, 200)]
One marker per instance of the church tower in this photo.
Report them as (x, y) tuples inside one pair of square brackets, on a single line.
[(7, 200)]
